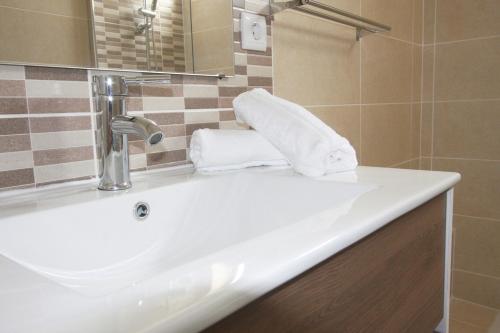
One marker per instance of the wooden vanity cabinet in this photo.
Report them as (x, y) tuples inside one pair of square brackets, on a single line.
[(392, 281)]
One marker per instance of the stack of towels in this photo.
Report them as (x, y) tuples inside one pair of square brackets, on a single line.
[(285, 133)]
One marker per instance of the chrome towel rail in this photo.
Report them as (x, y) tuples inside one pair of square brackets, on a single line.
[(362, 25)]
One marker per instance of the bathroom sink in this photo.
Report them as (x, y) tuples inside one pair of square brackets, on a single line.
[(97, 246)]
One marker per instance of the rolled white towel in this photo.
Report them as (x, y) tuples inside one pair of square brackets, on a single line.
[(312, 147), (218, 150)]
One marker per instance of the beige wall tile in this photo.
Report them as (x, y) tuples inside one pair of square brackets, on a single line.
[(428, 74), (457, 326), (55, 140), (467, 130), (476, 288), (474, 314), (210, 14), (429, 20), (416, 116), (426, 129), (478, 194), (317, 62), (418, 21), (468, 70), (398, 14), (11, 72), (385, 134), (72, 8), (57, 89), (417, 65), (476, 245), (43, 38), (213, 49), (386, 70), (345, 120), (464, 19)]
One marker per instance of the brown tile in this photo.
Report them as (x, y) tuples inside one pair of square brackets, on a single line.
[(474, 314), (63, 155), (260, 81), (476, 288), (14, 126), (166, 157), (477, 248), (174, 130), (345, 120), (468, 70), (16, 178), (59, 74), (133, 104), (190, 128), (231, 91), (478, 193), (226, 115), (162, 91), (417, 55), (465, 19), (425, 164), (467, 130), (134, 91), (418, 20), (240, 70), (201, 103), (9, 143), (58, 105), (57, 124), (13, 106), (385, 134), (396, 13), (12, 88), (259, 60), (386, 70), (137, 147), (226, 102), (167, 118)]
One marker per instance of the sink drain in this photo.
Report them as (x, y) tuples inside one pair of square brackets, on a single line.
[(141, 211)]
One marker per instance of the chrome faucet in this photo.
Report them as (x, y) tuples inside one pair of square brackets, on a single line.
[(113, 126)]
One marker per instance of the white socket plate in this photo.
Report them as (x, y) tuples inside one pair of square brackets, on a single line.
[(253, 32)]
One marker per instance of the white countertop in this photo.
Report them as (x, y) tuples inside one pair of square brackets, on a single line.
[(193, 295)]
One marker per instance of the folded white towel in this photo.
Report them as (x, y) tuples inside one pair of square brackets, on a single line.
[(312, 147), (218, 150)]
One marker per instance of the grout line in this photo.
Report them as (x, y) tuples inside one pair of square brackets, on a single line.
[(478, 274), (401, 163), (463, 40), (478, 304), (478, 217), (433, 83), (462, 159)]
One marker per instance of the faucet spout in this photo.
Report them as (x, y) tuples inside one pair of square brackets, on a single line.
[(145, 128)]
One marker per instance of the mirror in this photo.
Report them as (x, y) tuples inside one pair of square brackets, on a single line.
[(158, 36)]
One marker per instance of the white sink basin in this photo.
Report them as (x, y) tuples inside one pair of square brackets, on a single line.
[(95, 245)]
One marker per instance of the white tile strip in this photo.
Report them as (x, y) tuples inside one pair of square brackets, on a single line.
[(201, 117), (54, 140), (61, 89), (16, 160), (54, 172), (193, 90), (260, 71), (163, 103), (11, 72)]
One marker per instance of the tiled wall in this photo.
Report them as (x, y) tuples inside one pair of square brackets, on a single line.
[(47, 115), (45, 32), (119, 46), (461, 132), (368, 90)]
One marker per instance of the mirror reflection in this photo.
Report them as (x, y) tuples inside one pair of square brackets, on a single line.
[(181, 36)]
